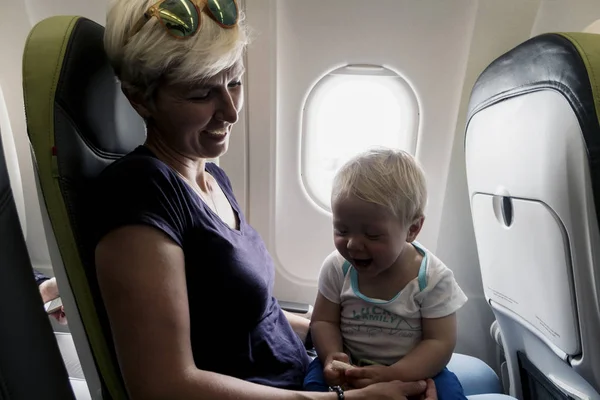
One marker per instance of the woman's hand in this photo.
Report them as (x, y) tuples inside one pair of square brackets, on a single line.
[(395, 390), (430, 392), (335, 377)]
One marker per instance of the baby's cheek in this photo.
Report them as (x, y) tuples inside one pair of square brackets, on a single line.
[(340, 245)]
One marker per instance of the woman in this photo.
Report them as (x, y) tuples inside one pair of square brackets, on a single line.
[(186, 282)]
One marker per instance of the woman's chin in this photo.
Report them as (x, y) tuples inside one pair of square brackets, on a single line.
[(212, 149)]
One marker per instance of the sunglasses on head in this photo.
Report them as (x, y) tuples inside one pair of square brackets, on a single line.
[(181, 18)]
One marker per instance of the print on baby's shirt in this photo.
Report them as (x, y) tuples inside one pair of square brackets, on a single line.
[(374, 320)]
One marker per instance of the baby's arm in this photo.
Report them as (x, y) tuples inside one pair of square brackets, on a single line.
[(327, 338), (440, 300), (432, 354), (325, 328), (326, 316)]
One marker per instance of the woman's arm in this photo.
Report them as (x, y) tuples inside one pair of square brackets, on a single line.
[(141, 273), (299, 324)]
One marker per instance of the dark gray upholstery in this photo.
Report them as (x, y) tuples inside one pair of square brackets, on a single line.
[(31, 366)]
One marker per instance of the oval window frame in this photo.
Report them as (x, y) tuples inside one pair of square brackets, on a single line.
[(409, 108)]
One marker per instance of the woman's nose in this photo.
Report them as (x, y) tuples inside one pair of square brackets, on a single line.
[(228, 110)]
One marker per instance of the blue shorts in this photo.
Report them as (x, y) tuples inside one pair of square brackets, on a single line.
[(447, 384)]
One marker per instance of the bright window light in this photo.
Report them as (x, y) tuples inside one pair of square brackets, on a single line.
[(349, 111)]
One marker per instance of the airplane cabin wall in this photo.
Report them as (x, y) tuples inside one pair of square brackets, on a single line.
[(299, 43), (565, 16), (437, 48)]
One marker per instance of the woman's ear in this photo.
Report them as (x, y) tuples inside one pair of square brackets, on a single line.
[(414, 229), (137, 101)]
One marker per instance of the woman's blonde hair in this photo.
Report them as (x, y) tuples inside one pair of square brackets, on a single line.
[(390, 178), (141, 61)]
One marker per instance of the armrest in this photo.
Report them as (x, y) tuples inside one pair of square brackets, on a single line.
[(297, 308), (496, 334), (301, 308)]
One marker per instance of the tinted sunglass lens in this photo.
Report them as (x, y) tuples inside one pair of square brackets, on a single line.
[(179, 16), (224, 11)]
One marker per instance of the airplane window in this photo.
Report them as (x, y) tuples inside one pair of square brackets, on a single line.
[(348, 111)]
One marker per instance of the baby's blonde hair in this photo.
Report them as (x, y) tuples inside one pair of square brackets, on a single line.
[(389, 178), (141, 61)]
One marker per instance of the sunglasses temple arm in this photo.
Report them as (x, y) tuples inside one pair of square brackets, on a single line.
[(138, 25)]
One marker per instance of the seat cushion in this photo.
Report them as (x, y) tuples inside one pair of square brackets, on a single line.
[(80, 389), (475, 376), (69, 354)]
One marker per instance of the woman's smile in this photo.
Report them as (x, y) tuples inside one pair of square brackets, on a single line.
[(217, 135)]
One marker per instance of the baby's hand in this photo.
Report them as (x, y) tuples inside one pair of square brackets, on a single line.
[(333, 371), (365, 376), (340, 366)]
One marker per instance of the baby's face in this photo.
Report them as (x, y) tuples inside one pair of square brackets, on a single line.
[(368, 235)]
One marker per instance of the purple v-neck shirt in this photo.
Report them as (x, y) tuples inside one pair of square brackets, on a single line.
[(237, 326)]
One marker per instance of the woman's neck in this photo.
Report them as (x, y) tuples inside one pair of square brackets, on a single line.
[(191, 169)]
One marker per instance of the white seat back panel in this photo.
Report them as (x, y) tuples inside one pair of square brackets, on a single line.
[(523, 144), (525, 149), (526, 267)]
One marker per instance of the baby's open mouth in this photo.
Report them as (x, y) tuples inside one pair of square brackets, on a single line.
[(362, 263)]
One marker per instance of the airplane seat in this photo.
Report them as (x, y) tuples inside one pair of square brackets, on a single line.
[(532, 150), (78, 123), (10, 155), (31, 366)]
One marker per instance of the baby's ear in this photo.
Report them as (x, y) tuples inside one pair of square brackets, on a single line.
[(414, 229)]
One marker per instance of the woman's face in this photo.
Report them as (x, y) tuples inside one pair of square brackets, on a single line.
[(196, 121)]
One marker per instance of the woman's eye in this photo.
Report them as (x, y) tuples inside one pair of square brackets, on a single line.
[(373, 237), (199, 96), (235, 84)]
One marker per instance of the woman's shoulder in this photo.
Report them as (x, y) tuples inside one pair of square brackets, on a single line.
[(138, 164), (140, 189), (139, 174), (139, 180)]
